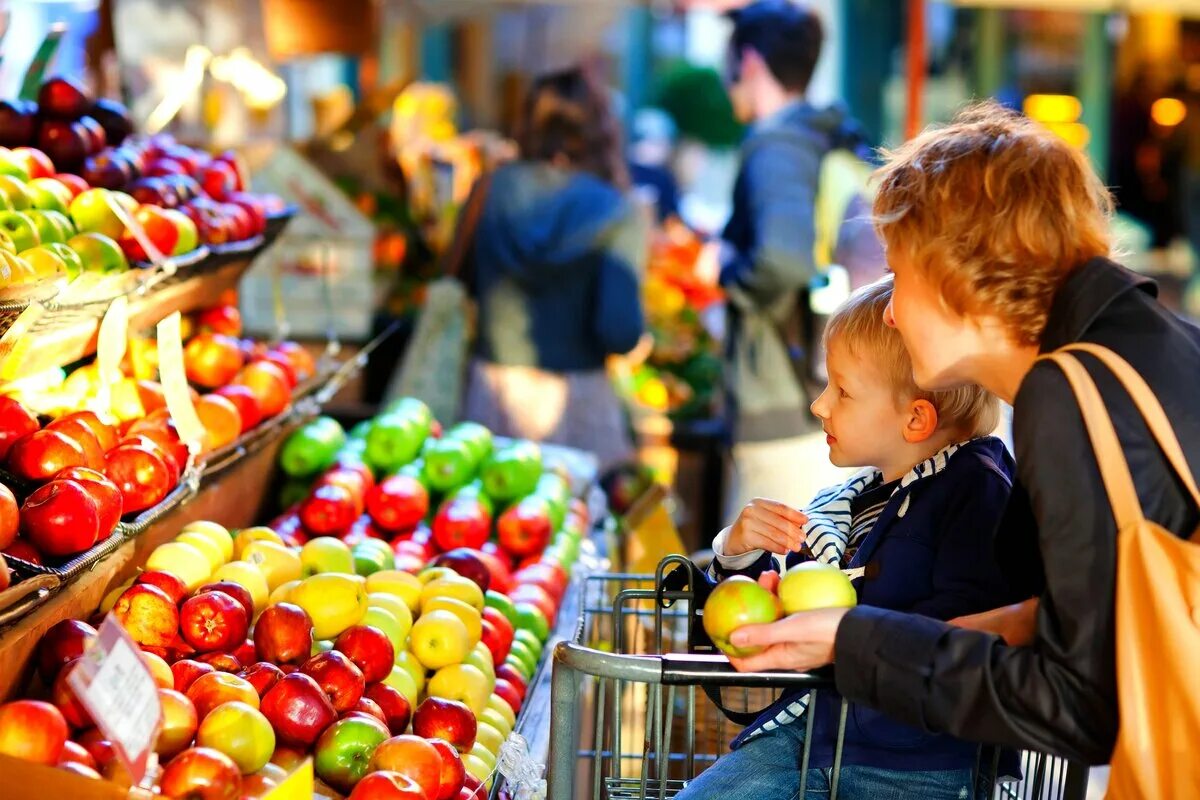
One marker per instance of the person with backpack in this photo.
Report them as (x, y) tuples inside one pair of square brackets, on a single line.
[(768, 250)]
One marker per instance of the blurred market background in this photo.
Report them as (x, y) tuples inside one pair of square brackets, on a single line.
[(374, 119)]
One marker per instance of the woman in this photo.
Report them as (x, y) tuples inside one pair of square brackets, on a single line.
[(558, 254), (998, 235)]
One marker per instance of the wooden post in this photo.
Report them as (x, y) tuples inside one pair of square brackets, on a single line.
[(916, 67)]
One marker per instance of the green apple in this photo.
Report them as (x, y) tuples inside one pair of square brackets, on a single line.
[(736, 602), (386, 621), (530, 639), (343, 752), (321, 646), (46, 263), (189, 238), (813, 585), (49, 194), (21, 228), (90, 212), (501, 602), (326, 554), (395, 439), (416, 670), (531, 618), (70, 258), (66, 228), (12, 164), (98, 252), (48, 229), (449, 463), (373, 555), (523, 657), (15, 192)]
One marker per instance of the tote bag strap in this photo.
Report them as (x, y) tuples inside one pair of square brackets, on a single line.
[(1114, 470), (1151, 410)]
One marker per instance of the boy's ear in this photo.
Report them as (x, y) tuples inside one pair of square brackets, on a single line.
[(922, 421)]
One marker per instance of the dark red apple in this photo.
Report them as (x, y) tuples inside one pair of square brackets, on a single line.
[(398, 503), (396, 709), (262, 675), (370, 650), (142, 476), (298, 710), (438, 718), (213, 621), (63, 697), (62, 98), (509, 694), (454, 774), (328, 510), (234, 590), (62, 643), (104, 492), (283, 634), (170, 583), (466, 563), (337, 676), (187, 670), (221, 662), (60, 518), (246, 653)]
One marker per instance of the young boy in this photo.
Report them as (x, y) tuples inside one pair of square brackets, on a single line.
[(914, 530)]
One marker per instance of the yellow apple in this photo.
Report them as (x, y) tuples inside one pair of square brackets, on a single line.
[(219, 535), (438, 639), (212, 552), (404, 585), (334, 601), (182, 560), (481, 658), (812, 585), (499, 705), (461, 682), (433, 573), (489, 736), (248, 576), (479, 768), (395, 605), (402, 682), (410, 664), (282, 593), (278, 563), (494, 719), (259, 533), (326, 554), (482, 753), (454, 586), (469, 616)]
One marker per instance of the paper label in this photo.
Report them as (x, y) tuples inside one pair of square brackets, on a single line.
[(115, 686), (174, 382), (111, 343)]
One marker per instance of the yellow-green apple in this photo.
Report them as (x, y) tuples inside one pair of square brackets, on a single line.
[(461, 682), (241, 732), (813, 585), (344, 750), (736, 602)]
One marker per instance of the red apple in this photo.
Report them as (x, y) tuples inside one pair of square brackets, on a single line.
[(148, 615), (103, 491), (101, 750), (62, 643), (524, 528), (328, 510), (285, 366), (76, 184), (223, 319), (398, 503), (221, 662), (453, 772), (298, 710), (142, 476), (509, 694), (75, 753), (22, 549), (283, 634), (63, 697), (537, 597), (337, 676), (38, 163), (467, 564), (550, 577), (268, 384), (218, 180), (81, 434), (215, 688), (40, 455), (234, 590), (411, 756), (162, 442), (16, 422), (367, 707), (370, 650), (212, 360), (262, 675), (388, 785), (202, 773), (246, 653), (187, 671), (395, 707), (212, 621), (509, 673), (438, 718), (461, 521), (170, 583), (246, 403), (32, 730), (179, 723), (494, 640), (473, 788), (9, 517)]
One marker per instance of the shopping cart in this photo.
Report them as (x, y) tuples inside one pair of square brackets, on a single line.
[(625, 718)]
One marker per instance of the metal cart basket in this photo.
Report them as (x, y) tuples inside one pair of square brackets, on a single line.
[(626, 721)]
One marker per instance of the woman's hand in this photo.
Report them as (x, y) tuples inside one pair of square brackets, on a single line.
[(802, 642), (766, 525), (1016, 624)]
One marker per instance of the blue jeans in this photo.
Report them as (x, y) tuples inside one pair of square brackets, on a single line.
[(767, 767)]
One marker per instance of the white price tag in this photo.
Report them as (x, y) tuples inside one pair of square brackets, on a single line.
[(111, 343), (114, 684), (174, 382)]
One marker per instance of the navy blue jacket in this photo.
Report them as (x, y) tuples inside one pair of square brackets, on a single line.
[(931, 552), (557, 260)]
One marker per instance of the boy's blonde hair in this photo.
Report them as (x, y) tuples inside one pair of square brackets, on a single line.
[(858, 324), (994, 211)]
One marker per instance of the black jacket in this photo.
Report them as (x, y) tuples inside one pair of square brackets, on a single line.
[(1058, 694)]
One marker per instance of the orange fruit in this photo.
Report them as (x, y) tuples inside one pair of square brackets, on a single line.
[(221, 420)]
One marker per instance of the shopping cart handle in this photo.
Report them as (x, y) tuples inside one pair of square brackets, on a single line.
[(686, 669)]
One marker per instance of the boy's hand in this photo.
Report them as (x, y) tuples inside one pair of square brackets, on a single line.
[(766, 525)]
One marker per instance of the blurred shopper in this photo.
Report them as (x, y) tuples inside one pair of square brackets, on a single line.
[(766, 257), (557, 260), (998, 233), (650, 151)]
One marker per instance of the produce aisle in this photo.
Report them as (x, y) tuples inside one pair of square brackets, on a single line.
[(210, 586)]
